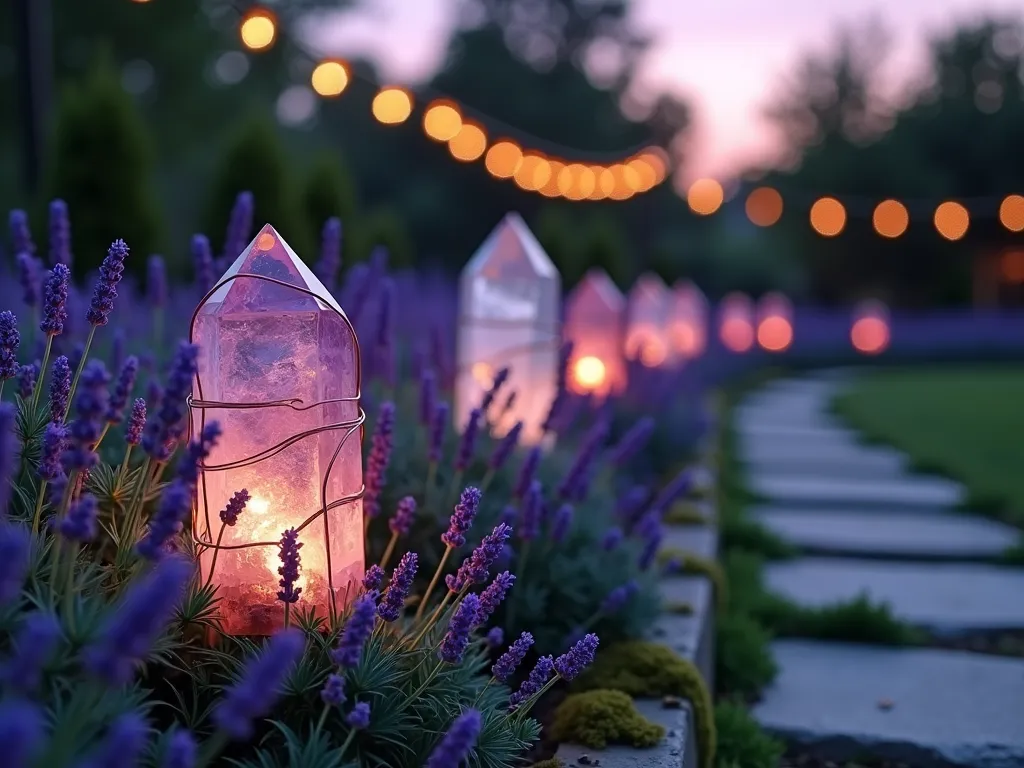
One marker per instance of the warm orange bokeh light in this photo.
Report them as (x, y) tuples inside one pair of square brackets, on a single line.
[(736, 334), (705, 196), (952, 220), (890, 218), (533, 173), (1012, 266), (258, 30), (652, 353), (392, 106), (764, 206), (870, 335), (503, 159), (329, 78), (550, 189), (1011, 213), (686, 338), (828, 217), (657, 159), (775, 333), (469, 143), (576, 181), (589, 373), (483, 374), (646, 171), (626, 181), (442, 120)]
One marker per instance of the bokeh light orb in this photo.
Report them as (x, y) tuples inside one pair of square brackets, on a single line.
[(869, 332), (503, 159), (589, 373), (329, 78), (890, 218), (952, 220), (775, 323), (705, 196), (469, 143), (258, 29), (764, 206), (828, 217), (392, 106), (442, 120), (736, 323), (1011, 213)]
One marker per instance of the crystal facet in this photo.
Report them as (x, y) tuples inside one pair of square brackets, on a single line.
[(509, 307), (595, 314), (646, 337), (284, 354)]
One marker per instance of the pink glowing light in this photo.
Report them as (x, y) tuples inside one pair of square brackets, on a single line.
[(594, 319), (775, 323), (736, 322), (869, 332), (646, 338), (688, 321)]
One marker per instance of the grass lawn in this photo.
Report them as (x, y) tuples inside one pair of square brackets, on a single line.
[(963, 422)]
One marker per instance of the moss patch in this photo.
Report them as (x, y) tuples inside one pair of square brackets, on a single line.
[(743, 661), (642, 668), (551, 762), (741, 742), (695, 565), (598, 718), (683, 513), (739, 531), (678, 607)]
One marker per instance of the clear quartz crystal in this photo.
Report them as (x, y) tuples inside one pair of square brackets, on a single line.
[(261, 342), (646, 329), (688, 320), (509, 309), (595, 315)]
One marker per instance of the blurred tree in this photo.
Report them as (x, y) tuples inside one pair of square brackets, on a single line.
[(101, 166), (255, 160), (383, 227), (605, 246), (558, 235), (329, 191)]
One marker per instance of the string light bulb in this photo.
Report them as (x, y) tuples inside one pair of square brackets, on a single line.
[(503, 159), (890, 218), (951, 220), (329, 78), (392, 106), (469, 143), (442, 120), (1011, 213), (258, 29), (828, 216)]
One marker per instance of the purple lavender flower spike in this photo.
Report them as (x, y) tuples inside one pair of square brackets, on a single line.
[(612, 539), (630, 506), (60, 388), (561, 523), (356, 633), (454, 748), (437, 432), (541, 673), (527, 473), (136, 422), (573, 485), (505, 447), (128, 634), (291, 561), (532, 509), (402, 520), (571, 663), (650, 551), (632, 442), (385, 342), (456, 639), (167, 425), (499, 381), (467, 444), (9, 450), (255, 693), (509, 402), (379, 458), (393, 603), (509, 515), (75, 358), (117, 350), (618, 597), (428, 396), (55, 299), (79, 525), (359, 717), (202, 263), (439, 351), (475, 568), (22, 732), (123, 744), (182, 750), (462, 518), (21, 235), (167, 521), (333, 692), (239, 226), (15, 557), (505, 666), (491, 597), (679, 486), (156, 281), (26, 378), (373, 578), (103, 295), (29, 277), (330, 253), (197, 452), (648, 525), (90, 410), (495, 637), (10, 340), (54, 442), (34, 645), (122, 391), (60, 233)]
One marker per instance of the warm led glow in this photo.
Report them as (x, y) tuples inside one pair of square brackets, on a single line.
[(737, 334), (483, 374), (646, 172), (705, 196), (775, 334), (828, 217), (890, 218), (605, 183), (686, 338), (870, 335), (1011, 213), (627, 181), (952, 220), (764, 206), (576, 181), (258, 30), (1012, 266), (469, 143), (329, 78), (533, 173), (266, 241), (657, 159), (653, 353), (503, 159), (589, 373), (392, 106), (442, 120), (550, 189)]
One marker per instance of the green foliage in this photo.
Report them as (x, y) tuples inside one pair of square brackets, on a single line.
[(598, 718), (101, 165), (644, 669), (694, 565), (743, 661), (741, 742), (328, 190), (559, 237), (255, 160), (382, 227), (739, 531)]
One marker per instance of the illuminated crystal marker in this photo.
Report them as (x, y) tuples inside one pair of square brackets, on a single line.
[(736, 322), (279, 370), (869, 332), (509, 307), (688, 321), (595, 314), (646, 329), (774, 322)]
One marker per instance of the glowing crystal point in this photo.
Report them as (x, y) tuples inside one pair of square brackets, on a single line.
[(646, 332), (275, 346), (595, 314), (509, 307), (688, 320), (736, 322), (774, 322)]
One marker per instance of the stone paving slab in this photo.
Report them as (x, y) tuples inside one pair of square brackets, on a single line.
[(948, 708), (892, 491), (947, 599), (759, 429), (837, 461), (891, 533)]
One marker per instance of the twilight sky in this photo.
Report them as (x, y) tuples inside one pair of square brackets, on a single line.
[(724, 56)]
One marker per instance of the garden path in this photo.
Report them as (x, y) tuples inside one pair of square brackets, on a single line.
[(866, 525)]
